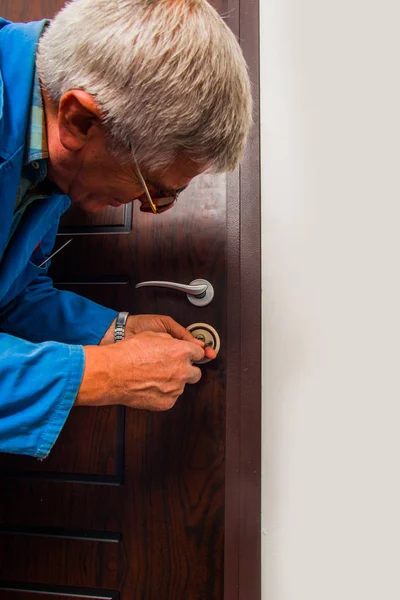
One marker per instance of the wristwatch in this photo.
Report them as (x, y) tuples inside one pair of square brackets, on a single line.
[(119, 330)]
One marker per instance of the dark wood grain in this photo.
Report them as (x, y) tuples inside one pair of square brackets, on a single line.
[(15, 589), (11, 595), (110, 216), (51, 595), (172, 503), (97, 456), (177, 519)]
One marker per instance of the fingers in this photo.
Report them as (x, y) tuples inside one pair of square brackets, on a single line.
[(196, 348), (195, 375), (180, 333), (190, 338), (177, 331), (196, 352), (172, 327), (210, 353)]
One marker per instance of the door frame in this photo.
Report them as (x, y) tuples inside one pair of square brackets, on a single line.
[(242, 571)]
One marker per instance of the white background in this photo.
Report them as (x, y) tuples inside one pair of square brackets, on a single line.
[(330, 126)]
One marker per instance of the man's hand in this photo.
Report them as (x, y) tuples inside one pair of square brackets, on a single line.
[(148, 370), (157, 323)]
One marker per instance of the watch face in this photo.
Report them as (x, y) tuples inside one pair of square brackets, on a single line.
[(121, 319)]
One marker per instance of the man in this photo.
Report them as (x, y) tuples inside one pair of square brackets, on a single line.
[(110, 102)]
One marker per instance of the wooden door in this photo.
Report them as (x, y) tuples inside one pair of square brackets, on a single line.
[(137, 505)]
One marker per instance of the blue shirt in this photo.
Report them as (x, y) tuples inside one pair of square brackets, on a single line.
[(42, 330), (36, 153)]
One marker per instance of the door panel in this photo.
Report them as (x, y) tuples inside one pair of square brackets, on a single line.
[(110, 220), (130, 504), (98, 456)]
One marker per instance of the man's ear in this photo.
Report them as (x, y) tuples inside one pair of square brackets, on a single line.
[(78, 119)]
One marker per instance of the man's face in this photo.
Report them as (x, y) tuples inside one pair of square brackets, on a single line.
[(81, 164), (101, 180)]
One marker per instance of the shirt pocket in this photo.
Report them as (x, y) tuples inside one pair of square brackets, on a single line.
[(20, 285), (31, 271)]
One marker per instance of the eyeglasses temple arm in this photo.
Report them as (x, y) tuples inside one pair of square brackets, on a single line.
[(146, 190)]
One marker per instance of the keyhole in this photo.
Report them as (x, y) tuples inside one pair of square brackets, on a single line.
[(206, 334)]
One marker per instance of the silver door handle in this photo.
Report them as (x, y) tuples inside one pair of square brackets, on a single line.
[(200, 292)]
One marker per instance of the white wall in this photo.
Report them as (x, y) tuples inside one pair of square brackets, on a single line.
[(331, 299)]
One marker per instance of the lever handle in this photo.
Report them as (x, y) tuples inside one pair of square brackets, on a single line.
[(193, 290), (199, 292)]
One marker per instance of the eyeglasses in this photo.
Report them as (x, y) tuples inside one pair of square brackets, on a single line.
[(160, 203)]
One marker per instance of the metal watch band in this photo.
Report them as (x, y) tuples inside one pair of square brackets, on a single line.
[(119, 330)]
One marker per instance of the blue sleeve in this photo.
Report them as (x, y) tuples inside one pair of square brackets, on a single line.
[(38, 386), (42, 313), (42, 361)]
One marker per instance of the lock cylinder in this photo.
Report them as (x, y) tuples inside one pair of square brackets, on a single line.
[(207, 334)]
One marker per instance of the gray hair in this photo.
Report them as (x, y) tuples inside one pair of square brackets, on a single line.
[(168, 75)]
